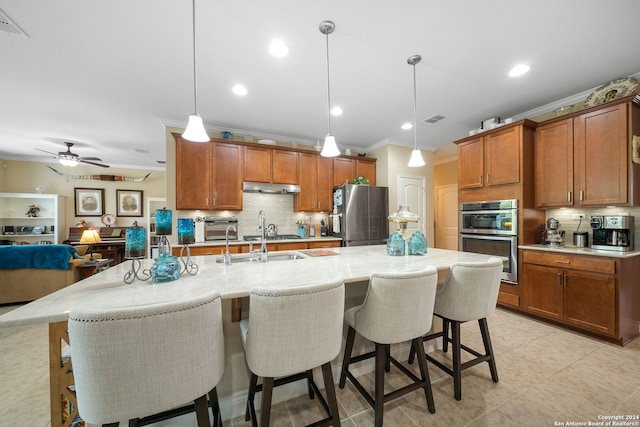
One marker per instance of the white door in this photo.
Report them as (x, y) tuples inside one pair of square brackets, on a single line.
[(412, 192), (447, 217)]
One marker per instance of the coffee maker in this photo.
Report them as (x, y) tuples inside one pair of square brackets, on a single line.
[(613, 232), (553, 235)]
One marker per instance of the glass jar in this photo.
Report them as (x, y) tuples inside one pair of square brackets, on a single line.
[(165, 268), (417, 244), (395, 245)]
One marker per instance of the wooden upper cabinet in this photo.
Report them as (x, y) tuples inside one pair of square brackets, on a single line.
[(502, 156), (193, 174), (227, 179), (316, 183), (601, 156), (366, 169), (344, 169), (554, 164), (471, 163), (262, 164)]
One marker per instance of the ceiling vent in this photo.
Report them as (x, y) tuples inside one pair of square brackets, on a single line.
[(433, 118), (7, 25)]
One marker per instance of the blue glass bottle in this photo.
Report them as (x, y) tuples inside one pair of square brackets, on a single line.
[(395, 245), (417, 244)]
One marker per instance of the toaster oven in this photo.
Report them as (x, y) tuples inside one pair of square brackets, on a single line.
[(215, 228)]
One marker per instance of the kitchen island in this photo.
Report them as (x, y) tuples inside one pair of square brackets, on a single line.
[(107, 289)]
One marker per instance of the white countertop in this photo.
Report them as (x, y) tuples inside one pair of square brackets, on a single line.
[(246, 242), (574, 250), (107, 289)]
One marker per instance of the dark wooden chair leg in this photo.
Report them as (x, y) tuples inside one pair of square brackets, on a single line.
[(445, 335), (112, 424), (380, 364), (215, 408), (387, 362), (250, 412), (346, 360), (488, 348), (134, 422), (309, 382), (412, 352), (424, 373), (330, 390), (457, 363), (265, 409), (202, 411)]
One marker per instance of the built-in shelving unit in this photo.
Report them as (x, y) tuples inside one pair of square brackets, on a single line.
[(18, 228), (153, 203)]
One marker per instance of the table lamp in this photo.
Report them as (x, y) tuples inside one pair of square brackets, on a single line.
[(403, 216), (90, 237)]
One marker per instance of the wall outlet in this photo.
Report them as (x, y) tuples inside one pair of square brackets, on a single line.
[(577, 216)]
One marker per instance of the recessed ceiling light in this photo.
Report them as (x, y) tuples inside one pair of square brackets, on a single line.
[(336, 111), (407, 126), (239, 90), (278, 49), (519, 70)]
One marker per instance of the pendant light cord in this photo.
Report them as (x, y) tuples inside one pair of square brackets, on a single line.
[(195, 73), (328, 88), (415, 124)]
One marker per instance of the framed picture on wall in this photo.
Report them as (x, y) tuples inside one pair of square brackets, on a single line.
[(89, 201), (129, 203)]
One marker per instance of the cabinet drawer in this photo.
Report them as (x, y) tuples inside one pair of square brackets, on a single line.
[(583, 263)]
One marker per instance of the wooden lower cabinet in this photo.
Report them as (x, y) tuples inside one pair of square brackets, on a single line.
[(271, 247), (592, 293)]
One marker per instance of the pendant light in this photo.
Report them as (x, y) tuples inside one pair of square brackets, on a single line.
[(416, 159), (330, 148), (195, 128)]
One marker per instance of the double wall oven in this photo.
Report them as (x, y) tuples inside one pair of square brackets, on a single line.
[(492, 228)]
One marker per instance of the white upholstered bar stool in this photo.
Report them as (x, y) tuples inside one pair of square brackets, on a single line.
[(398, 307), (141, 363), (289, 332), (469, 293)]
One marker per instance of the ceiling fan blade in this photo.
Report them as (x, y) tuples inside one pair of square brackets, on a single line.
[(95, 159), (93, 163), (48, 152)]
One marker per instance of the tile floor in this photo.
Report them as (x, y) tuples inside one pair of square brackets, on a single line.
[(548, 377)]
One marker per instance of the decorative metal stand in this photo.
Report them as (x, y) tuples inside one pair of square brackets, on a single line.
[(136, 272), (189, 266)]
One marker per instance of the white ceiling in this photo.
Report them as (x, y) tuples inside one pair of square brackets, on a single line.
[(109, 75)]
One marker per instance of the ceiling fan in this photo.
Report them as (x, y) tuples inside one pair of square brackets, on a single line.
[(67, 158)]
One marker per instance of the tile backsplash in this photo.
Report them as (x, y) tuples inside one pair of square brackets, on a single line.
[(569, 225)]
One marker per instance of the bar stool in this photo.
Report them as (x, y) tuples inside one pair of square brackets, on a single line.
[(141, 363), (469, 293), (289, 332), (398, 307)]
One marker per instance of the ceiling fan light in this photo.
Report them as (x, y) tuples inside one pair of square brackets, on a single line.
[(416, 159), (330, 149), (195, 130), (68, 162)]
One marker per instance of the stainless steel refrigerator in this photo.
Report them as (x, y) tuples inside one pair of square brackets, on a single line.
[(361, 214)]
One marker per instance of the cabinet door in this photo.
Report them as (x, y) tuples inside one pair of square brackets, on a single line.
[(554, 164), (601, 144), (257, 164), (227, 183), (343, 170), (325, 184), (502, 157), (367, 170), (590, 301), (284, 167), (543, 291), (307, 199), (471, 164), (193, 174)]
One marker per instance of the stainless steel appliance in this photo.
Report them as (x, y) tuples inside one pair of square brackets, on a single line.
[(613, 232), (553, 236), (360, 214), (491, 228), (215, 228)]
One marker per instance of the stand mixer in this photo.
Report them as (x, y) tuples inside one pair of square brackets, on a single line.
[(552, 235)]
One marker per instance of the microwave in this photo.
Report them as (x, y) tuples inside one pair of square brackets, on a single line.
[(215, 228)]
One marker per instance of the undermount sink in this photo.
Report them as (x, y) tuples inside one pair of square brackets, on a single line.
[(252, 258)]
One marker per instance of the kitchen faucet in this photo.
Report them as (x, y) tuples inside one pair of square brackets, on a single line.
[(227, 255), (262, 257)]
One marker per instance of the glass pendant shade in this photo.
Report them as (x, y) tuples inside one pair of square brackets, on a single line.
[(330, 148), (403, 214), (195, 130), (416, 159)]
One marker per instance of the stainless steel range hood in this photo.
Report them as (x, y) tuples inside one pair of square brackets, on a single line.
[(262, 187)]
